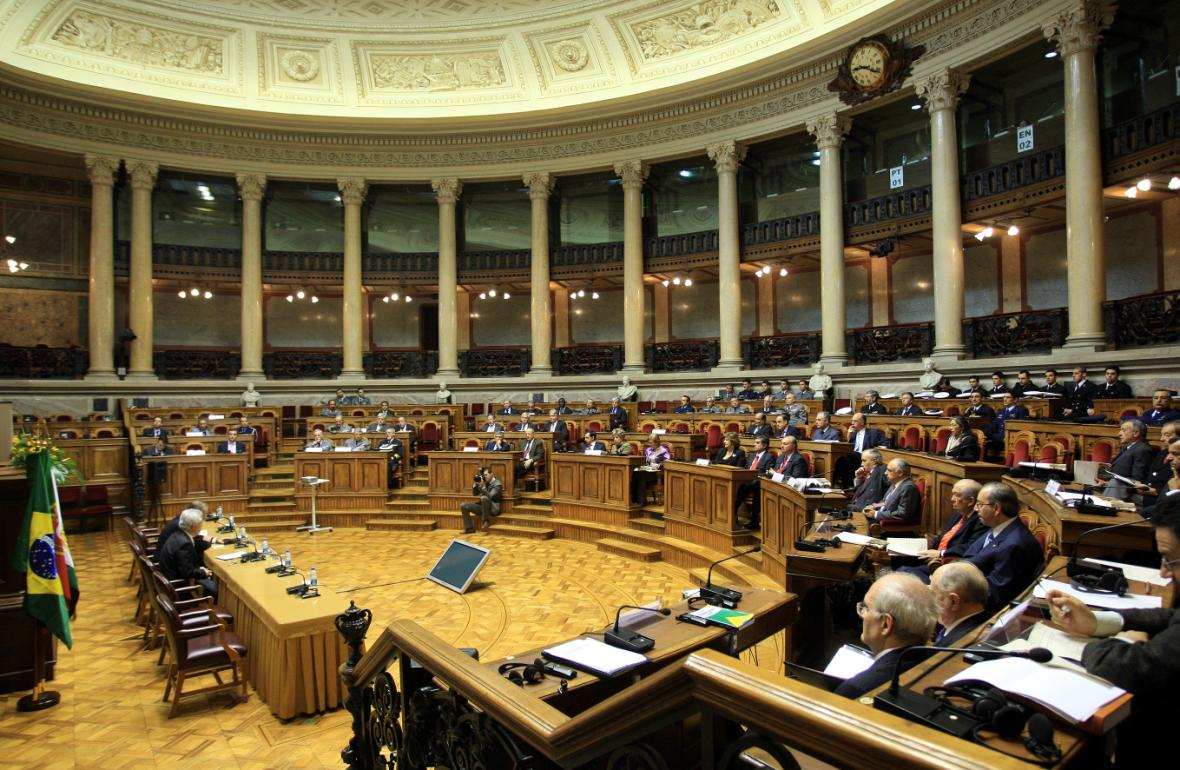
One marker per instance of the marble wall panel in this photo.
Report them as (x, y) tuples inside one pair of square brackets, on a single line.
[(597, 320), (206, 323), (981, 293), (912, 288), (1045, 267), (797, 298), (37, 317), (694, 312), (301, 324), (499, 322), (856, 295), (394, 324), (1132, 248)]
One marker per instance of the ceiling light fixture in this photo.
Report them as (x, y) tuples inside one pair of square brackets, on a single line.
[(1013, 230), (1144, 184)]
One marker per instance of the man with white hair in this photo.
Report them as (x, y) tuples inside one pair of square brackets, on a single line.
[(897, 612), (960, 596), (178, 557)]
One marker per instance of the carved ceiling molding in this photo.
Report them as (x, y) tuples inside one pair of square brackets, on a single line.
[(951, 32)]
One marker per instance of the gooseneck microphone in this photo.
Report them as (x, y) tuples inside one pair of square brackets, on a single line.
[(918, 707), (625, 638), (719, 596), (1090, 576)]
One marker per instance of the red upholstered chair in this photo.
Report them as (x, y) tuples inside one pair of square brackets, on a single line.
[(941, 437), (357, 413), (176, 416), (661, 407), (952, 410), (647, 426), (104, 433), (678, 427), (67, 434), (210, 650), (594, 426), (62, 418), (810, 463), (911, 438), (220, 430), (1102, 450), (1021, 450), (902, 529), (428, 435), (734, 427), (142, 416), (714, 438), (471, 442), (95, 503), (235, 414)]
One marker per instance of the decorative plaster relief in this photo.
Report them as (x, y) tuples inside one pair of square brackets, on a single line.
[(299, 68), (432, 72), (111, 37), (832, 8), (570, 59)]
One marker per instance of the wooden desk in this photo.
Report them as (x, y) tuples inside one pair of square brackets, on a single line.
[(102, 461), (940, 474), (216, 479), (1070, 524), (895, 427), (295, 651), (824, 454), (683, 446), (700, 503), (452, 475), (1081, 436), (1038, 408), (357, 481), (428, 429), (181, 444), (594, 487)]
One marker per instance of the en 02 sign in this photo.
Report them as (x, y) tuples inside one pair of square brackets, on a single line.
[(1024, 138)]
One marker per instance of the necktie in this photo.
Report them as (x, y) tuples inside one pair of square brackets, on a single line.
[(754, 462), (950, 535), (939, 636), (527, 447), (989, 541), (860, 440)]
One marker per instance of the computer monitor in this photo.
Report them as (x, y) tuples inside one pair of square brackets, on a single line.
[(457, 566)]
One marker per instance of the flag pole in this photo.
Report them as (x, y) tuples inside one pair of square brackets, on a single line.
[(40, 699)]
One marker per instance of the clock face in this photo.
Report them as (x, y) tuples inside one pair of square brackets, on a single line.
[(866, 65)]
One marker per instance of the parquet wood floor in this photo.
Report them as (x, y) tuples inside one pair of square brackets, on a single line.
[(111, 714)]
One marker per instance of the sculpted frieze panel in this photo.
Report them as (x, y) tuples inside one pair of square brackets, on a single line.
[(570, 58), (434, 73), (109, 36), (303, 69)]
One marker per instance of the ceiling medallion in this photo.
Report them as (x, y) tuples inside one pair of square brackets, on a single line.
[(570, 55), (300, 65)]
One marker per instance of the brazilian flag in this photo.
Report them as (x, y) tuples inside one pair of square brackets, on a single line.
[(44, 556)]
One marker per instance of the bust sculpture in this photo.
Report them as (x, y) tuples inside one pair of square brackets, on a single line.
[(930, 376), (627, 391), (443, 396), (820, 382), (250, 397)]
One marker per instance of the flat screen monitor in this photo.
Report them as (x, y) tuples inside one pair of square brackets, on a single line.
[(457, 566)]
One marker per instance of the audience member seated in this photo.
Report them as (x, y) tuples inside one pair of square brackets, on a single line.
[(873, 404), (360, 399), (532, 451), (977, 408), (1139, 650), (796, 413), (962, 444), (246, 429), (655, 454), (379, 426), (1113, 387), (747, 392), (1051, 384), (961, 530), (731, 452), (1161, 408), (781, 428), (944, 386), (559, 429), (562, 408), (710, 406), (871, 483), (1023, 384), (760, 459), (861, 438), (1079, 397), (339, 426), (385, 411), (490, 425), (591, 407), (973, 386), (784, 388), (790, 463), (1160, 471), (1007, 553), (199, 541), (590, 443), (736, 406), (960, 597), (999, 385), (396, 449), (726, 393), (619, 445), (178, 557), (1011, 410), (908, 407), (200, 429), (897, 612), (685, 406), (330, 409), (758, 427), (498, 443), (157, 428), (763, 391), (319, 442), (231, 446), (617, 414), (506, 409), (902, 503), (357, 441), (531, 409), (822, 430), (407, 431), (768, 406), (1133, 460), (805, 392)]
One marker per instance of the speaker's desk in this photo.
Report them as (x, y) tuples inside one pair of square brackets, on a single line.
[(295, 651), (357, 481), (941, 473), (452, 476), (1071, 524), (594, 487), (700, 503), (216, 479)]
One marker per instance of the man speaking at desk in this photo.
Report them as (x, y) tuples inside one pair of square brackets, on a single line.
[(1139, 651)]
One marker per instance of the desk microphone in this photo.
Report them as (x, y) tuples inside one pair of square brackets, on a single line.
[(256, 555), (719, 596), (625, 638), (922, 708), (303, 587), (1092, 577)]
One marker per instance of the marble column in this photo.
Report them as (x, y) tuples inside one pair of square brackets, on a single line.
[(1076, 33), (941, 92), (726, 156), (632, 172), (829, 132), (879, 291), (251, 188), (540, 185), (765, 290), (1170, 242), (352, 193), (561, 319), (448, 191), (143, 181), (101, 171)]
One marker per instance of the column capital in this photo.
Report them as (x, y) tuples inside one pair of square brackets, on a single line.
[(632, 172), (1080, 27), (251, 186), (540, 184), (101, 169), (143, 173), (726, 155), (829, 130), (448, 189), (352, 190), (940, 90)]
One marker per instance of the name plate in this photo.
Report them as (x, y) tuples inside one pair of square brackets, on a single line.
[(343, 449), (313, 449), (702, 461), (195, 452), (659, 431), (777, 478), (470, 449), (594, 452)]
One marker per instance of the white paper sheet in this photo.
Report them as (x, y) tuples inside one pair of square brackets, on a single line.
[(906, 546), (1073, 696), (848, 662), (1133, 572), (1103, 601), (595, 656)]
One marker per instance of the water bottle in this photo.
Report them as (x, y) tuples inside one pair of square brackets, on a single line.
[(265, 546), (287, 559), (231, 516), (220, 512), (242, 534), (312, 581)]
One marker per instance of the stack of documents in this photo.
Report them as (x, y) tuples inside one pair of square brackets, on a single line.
[(595, 657), (1074, 697), (1102, 601), (723, 617), (906, 546), (848, 662)]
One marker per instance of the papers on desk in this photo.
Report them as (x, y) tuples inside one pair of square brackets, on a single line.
[(932, 412), (825, 440), (1061, 643), (855, 538), (1148, 575), (1075, 697), (1043, 466), (1067, 497), (191, 452), (723, 617), (343, 448), (232, 555), (1039, 394), (801, 484), (470, 449), (848, 662), (313, 449), (1102, 601), (906, 546), (595, 657)]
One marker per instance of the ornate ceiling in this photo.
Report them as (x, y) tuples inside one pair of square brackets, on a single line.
[(419, 60)]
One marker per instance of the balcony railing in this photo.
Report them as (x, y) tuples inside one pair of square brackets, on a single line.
[(1007, 334), (1145, 320), (588, 359), (681, 245), (1016, 173), (394, 364), (781, 351), (587, 254), (42, 363), (495, 362), (786, 228), (682, 356), (1143, 131), (302, 364), (904, 203), (196, 364), (890, 343)]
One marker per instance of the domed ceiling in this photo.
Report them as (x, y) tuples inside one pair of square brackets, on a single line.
[(417, 60)]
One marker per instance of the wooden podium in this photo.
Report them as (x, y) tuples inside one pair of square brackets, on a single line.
[(357, 481), (700, 502), (452, 475), (594, 487), (216, 479)]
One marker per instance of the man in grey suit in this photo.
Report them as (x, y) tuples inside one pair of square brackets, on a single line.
[(902, 503), (1133, 461), (319, 442), (489, 490), (357, 442), (1146, 661), (871, 485)]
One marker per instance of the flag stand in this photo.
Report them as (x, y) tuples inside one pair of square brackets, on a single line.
[(40, 699)]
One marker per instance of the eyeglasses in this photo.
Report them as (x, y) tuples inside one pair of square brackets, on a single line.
[(1168, 563), (863, 609)]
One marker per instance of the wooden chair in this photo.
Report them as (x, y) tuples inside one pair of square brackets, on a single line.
[(912, 438), (220, 430), (208, 649), (952, 410), (941, 437), (105, 433), (713, 435), (1059, 447), (62, 418), (1102, 450), (95, 502), (810, 463), (1045, 533), (678, 427), (1020, 447), (647, 426), (889, 528), (534, 477), (175, 416)]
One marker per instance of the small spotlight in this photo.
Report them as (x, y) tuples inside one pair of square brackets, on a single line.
[(988, 232), (23, 265), (182, 293), (594, 295), (979, 236), (385, 299), (491, 292), (688, 282), (314, 299), (665, 282), (506, 295), (685, 173), (301, 294), (483, 295), (782, 273), (290, 297), (574, 294), (1174, 183), (1131, 192), (208, 295), (916, 106), (1144, 184), (394, 296), (581, 293), (1013, 230), (1050, 54), (11, 239), (409, 298), (676, 280), (194, 292)]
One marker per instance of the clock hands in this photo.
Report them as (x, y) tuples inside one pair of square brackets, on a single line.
[(866, 67)]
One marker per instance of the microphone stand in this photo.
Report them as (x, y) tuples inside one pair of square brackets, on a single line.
[(1089, 576), (719, 596), (625, 638)]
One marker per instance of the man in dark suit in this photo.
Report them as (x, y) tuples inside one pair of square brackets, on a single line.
[(973, 386), (1159, 473), (562, 407), (173, 526), (759, 427), (1007, 554), (761, 460), (1113, 387), (962, 528), (1147, 669), (871, 483), (506, 409), (960, 596), (531, 453), (499, 443), (231, 446), (406, 432), (685, 406), (1011, 410), (898, 612), (999, 386), (490, 492), (157, 471), (396, 449), (902, 503), (617, 414), (157, 429), (1051, 384), (178, 557), (978, 408), (862, 437), (246, 429), (1134, 459), (1161, 408), (873, 404), (823, 430), (908, 407), (590, 442), (560, 431), (747, 392), (790, 463), (1023, 383), (491, 425), (783, 429), (1079, 397), (944, 386)]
